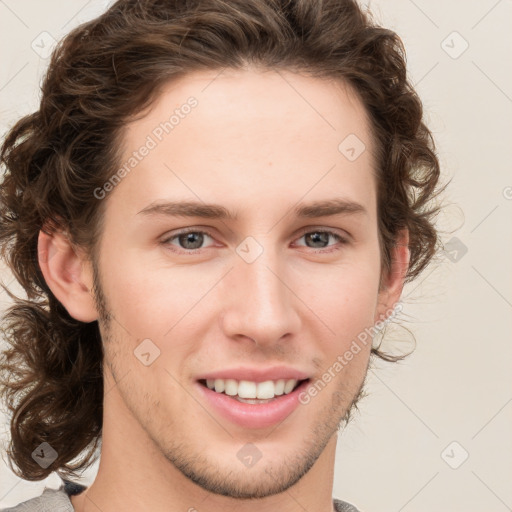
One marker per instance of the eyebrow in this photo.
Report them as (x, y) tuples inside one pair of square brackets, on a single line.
[(214, 211)]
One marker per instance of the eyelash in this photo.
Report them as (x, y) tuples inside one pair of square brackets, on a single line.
[(341, 240)]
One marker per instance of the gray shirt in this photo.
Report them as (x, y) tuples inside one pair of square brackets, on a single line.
[(57, 500)]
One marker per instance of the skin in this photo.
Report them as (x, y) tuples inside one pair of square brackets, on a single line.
[(259, 148)]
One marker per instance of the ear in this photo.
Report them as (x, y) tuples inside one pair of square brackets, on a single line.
[(68, 274), (392, 284)]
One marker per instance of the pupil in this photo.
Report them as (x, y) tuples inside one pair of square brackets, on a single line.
[(318, 236), (189, 237)]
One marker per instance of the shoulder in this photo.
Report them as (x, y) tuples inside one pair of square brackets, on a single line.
[(52, 500), (343, 506)]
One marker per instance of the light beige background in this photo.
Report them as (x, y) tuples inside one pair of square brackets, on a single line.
[(397, 454)]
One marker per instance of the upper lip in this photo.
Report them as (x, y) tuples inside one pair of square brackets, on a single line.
[(256, 374)]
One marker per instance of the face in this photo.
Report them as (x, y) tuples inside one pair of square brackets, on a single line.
[(273, 283)]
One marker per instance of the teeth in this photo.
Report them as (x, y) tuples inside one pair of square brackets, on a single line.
[(290, 384), (248, 389), (264, 390), (230, 387), (279, 387), (219, 385)]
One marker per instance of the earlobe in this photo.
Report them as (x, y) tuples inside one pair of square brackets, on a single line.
[(393, 282), (68, 275)]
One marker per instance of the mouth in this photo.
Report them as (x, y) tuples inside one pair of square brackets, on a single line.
[(250, 392), (250, 404)]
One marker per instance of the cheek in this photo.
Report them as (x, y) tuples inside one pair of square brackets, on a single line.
[(149, 300), (344, 297), (134, 296), (349, 315), (347, 307)]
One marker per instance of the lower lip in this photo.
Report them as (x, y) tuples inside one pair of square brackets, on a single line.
[(253, 415)]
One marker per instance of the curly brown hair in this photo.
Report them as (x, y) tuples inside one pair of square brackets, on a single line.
[(106, 72)]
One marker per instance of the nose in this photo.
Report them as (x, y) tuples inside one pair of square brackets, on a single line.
[(262, 306)]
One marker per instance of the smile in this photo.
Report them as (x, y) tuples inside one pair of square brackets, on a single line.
[(252, 404), (257, 391)]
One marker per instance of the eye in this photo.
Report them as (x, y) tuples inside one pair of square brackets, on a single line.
[(319, 239), (192, 240), (188, 240)]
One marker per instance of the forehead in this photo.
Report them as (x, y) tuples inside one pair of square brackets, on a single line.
[(237, 136)]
